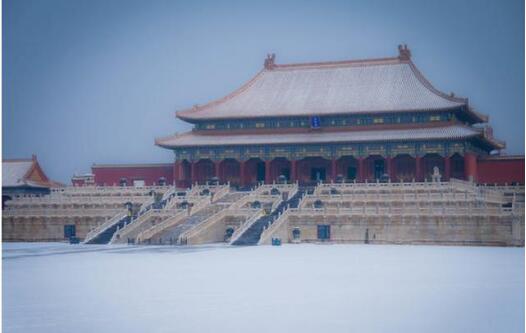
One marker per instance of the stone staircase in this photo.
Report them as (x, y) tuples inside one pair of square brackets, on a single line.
[(172, 234), (105, 236), (252, 235)]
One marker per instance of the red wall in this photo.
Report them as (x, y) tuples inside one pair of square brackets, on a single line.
[(501, 170), (109, 175)]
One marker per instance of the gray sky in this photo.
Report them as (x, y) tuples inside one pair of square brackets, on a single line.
[(95, 81)]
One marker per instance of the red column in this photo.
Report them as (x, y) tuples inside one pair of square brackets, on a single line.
[(241, 173), (389, 162), (333, 169), (470, 166), (268, 179), (447, 168), (418, 167), (361, 169), (193, 171), (293, 170), (176, 173), (217, 165)]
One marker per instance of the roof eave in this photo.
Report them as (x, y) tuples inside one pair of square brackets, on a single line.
[(354, 113)]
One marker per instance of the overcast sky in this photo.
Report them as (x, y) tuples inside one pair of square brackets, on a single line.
[(95, 81)]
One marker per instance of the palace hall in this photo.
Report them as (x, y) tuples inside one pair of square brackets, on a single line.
[(340, 121)]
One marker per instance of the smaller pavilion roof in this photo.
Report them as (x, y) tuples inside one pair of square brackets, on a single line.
[(25, 172), (196, 139)]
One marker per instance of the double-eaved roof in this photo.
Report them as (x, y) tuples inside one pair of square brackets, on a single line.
[(344, 87), (386, 85)]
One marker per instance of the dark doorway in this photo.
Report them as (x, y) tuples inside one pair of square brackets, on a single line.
[(351, 173), (379, 169), (70, 231), (5, 198), (317, 174), (324, 232), (285, 172), (260, 172)]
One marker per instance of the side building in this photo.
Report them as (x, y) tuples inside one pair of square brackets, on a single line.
[(24, 177)]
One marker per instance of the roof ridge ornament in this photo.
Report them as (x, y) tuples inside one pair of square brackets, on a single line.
[(269, 61), (403, 52)]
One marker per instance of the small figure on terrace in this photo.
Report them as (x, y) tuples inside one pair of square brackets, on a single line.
[(436, 176)]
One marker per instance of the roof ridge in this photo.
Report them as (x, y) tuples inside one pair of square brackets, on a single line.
[(356, 62)]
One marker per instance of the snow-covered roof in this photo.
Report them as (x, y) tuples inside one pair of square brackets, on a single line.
[(345, 87), (25, 172), (195, 138), (14, 172)]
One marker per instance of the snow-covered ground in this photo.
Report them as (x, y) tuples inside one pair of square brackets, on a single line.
[(293, 288)]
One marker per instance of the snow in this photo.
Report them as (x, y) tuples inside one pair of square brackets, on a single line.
[(50, 287)]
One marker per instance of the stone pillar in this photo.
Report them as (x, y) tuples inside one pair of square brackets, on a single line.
[(447, 168), (418, 169), (193, 172), (361, 169), (470, 166), (242, 173), (293, 170), (268, 179), (333, 169)]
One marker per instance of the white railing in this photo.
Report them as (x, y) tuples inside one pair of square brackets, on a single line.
[(53, 201), (276, 203), (147, 234), (211, 220), (246, 224), (106, 190), (167, 223), (280, 187), (141, 223), (268, 231), (401, 197), (200, 204), (221, 192), (396, 186), (66, 212), (104, 226), (132, 225), (403, 211)]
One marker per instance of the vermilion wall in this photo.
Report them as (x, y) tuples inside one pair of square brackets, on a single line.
[(501, 170), (110, 175)]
